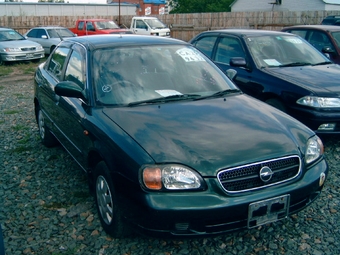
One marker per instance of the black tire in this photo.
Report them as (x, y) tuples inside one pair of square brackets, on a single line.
[(109, 212), (46, 136), (277, 104), (52, 48)]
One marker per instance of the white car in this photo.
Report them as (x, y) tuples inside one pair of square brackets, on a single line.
[(48, 36), (15, 47)]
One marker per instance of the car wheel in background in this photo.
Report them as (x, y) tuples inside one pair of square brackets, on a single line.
[(277, 104), (52, 48), (109, 212), (46, 136)]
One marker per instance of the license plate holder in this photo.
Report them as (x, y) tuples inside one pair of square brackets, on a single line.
[(269, 210), (29, 55)]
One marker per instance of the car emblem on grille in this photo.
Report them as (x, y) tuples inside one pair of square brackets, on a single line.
[(266, 174)]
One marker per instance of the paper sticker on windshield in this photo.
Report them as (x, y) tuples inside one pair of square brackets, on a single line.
[(272, 62), (294, 40), (168, 92), (189, 55)]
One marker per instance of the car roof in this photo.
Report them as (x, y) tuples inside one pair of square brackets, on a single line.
[(318, 27), (246, 32), (49, 27), (101, 41), (6, 29)]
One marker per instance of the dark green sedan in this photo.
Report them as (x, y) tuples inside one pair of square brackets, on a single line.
[(169, 144)]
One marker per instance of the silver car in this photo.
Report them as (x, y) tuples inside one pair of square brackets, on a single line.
[(48, 36), (15, 47)]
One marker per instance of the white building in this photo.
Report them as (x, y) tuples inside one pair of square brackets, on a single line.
[(284, 5)]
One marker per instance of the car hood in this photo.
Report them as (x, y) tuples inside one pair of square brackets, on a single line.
[(322, 79), (19, 44), (209, 135)]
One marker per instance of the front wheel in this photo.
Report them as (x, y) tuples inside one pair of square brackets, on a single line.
[(110, 214), (46, 136)]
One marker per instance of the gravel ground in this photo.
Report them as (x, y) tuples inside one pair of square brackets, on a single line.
[(46, 207)]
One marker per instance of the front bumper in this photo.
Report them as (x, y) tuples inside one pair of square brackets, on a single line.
[(315, 119), (213, 211), (20, 56)]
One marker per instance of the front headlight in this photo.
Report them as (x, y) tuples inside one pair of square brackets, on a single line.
[(314, 149), (319, 102), (39, 47), (12, 49), (171, 177)]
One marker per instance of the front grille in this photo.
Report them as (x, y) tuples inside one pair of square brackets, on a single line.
[(28, 49), (244, 178)]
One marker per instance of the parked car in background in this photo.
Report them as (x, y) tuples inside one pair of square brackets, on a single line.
[(170, 145), (323, 37), (48, 36), (142, 25), (281, 69), (15, 47), (331, 20), (97, 27)]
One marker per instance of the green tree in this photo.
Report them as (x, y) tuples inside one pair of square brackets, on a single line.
[(196, 6)]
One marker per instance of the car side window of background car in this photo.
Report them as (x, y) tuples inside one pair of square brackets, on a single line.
[(301, 33), (206, 45), (227, 48), (32, 33), (319, 40), (57, 61), (80, 25), (41, 33), (75, 71)]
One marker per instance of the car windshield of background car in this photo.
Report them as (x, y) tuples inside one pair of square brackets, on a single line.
[(106, 25), (59, 32), (10, 35), (155, 23), (283, 50), (126, 75)]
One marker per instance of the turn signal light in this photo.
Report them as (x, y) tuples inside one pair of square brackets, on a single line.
[(152, 178)]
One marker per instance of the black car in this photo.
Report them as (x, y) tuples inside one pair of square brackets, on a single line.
[(281, 69), (170, 145), (331, 20), (324, 38)]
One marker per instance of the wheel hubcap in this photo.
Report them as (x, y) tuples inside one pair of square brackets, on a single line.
[(41, 125), (104, 200)]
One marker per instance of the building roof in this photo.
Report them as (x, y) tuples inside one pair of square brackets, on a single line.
[(331, 1)]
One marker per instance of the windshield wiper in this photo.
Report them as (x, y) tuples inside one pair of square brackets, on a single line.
[(166, 99), (296, 64), (323, 63), (221, 93)]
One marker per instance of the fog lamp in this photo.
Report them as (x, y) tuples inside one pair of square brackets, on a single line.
[(322, 179), (327, 126)]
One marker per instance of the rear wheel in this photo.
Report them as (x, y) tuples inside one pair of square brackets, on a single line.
[(109, 212), (46, 136)]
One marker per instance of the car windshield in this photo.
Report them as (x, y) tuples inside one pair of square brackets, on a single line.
[(283, 50), (106, 25), (59, 32), (153, 74), (336, 36), (155, 23), (10, 35)]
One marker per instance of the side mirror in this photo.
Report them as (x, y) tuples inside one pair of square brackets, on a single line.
[(69, 89), (238, 62), (44, 36), (231, 73), (327, 49)]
